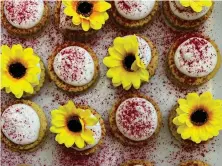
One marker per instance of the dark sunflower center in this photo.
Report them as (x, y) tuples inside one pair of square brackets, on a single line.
[(199, 117), (128, 61), (85, 8), (74, 124), (17, 70)]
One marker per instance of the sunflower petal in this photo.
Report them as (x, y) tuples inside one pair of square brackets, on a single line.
[(87, 135), (115, 54), (110, 62), (91, 120), (102, 6), (185, 3), (79, 142), (57, 130), (195, 6), (70, 140), (85, 24)]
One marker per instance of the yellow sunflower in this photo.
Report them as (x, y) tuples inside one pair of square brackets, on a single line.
[(124, 63), (19, 70), (196, 5), (87, 13), (69, 123), (199, 117)]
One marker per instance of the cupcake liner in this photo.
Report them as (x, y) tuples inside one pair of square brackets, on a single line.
[(124, 140), (42, 132)]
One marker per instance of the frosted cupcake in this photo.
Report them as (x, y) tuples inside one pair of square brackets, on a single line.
[(193, 163), (135, 120), (24, 18), (196, 119), (134, 14), (78, 127), (80, 19), (22, 71), (73, 67), (23, 126), (137, 163), (193, 60), (131, 60), (185, 15)]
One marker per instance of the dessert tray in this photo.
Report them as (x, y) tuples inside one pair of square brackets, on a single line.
[(163, 151)]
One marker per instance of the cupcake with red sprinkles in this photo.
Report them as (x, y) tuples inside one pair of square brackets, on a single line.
[(73, 67), (135, 120), (193, 60), (193, 163), (131, 61), (24, 18), (137, 163), (78, 19), (187, 15), (23, 126), (78, 127), (134, 14)]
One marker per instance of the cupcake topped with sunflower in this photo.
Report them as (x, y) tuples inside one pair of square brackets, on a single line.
[(80, 128), (81, 18), (196, 119), (131, 60), (22, 71)]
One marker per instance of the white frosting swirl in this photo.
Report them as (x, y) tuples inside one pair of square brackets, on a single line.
[(186, 13), (136, 119), (20, 124), (134, 10), (24, 14), (66, 21), (74, 65), (196, 57), (96, 129)]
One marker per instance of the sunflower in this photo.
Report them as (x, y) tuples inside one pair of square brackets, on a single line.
[(19, 70), (198, 117), (69, 123), (124, 63), (87, 13), (196, 5)]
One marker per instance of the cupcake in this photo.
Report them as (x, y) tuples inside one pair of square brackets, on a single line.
[(193, 163), (78, 127), (80, 19), (131, 60), (186, 15), (23, 126), (24, 18), (196, 119), (193, 60), (137, 163), (134, 14), (135, 120), (22, 71), (73, 67)]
